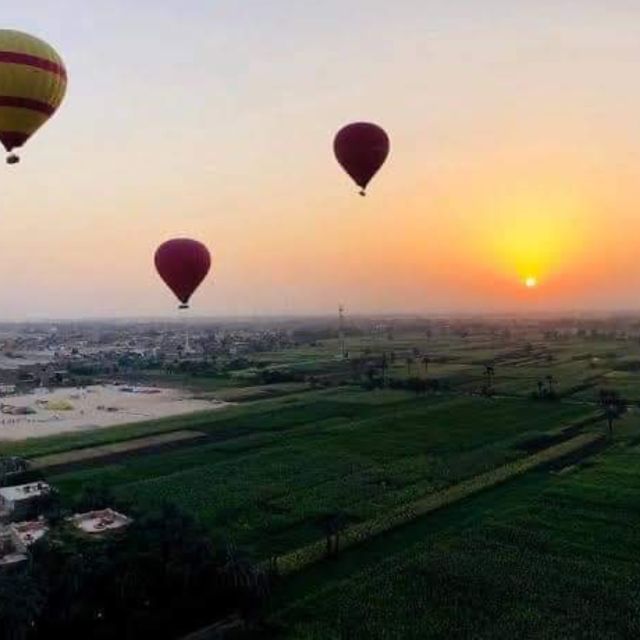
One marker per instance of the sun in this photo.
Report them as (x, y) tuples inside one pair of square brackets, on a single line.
[(530, 282)]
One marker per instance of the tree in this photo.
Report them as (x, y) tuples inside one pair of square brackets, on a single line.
[(384, 365), (489, 373), (426, 361), (409, 362), (21, 602), (613, 406), (550, 388), (11, 465), (417, 385), (245, 579), (332, 525)]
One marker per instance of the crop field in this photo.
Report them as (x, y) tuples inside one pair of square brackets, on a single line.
[(549, 556), (578, 367), (266, 487)]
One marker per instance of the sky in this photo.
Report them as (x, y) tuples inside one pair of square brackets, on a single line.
[(515, 154)]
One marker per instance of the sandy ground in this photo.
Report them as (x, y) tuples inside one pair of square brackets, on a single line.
[(93, 407)]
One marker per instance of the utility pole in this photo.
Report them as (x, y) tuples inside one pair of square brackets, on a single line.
[(341, 330)]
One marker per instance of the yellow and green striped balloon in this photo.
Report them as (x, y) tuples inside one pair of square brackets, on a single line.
[(33, 81)]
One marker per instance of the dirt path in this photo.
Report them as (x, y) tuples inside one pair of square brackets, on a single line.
[(92, 454)]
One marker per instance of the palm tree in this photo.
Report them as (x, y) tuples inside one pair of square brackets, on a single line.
[(409, 365), (613, 405), (426, 360), (332, 524), (550, 382), (540, 388), (240, 572), (489, 372)]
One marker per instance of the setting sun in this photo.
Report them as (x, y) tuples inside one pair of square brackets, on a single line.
[(531, 282)]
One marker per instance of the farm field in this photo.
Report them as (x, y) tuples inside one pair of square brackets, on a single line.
[(355, 452), (271, 468), (547, 556)]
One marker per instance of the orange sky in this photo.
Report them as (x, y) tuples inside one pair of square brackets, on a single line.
[(515, 153)]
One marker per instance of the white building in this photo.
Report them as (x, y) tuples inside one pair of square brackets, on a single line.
[(18, 501), (102, 521)]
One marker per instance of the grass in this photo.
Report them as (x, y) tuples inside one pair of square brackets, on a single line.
[(277, 469), (300, 558), (550, 556)]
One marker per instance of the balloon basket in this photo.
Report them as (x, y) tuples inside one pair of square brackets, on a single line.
[(13, 159), (363, 193), (183, 306)]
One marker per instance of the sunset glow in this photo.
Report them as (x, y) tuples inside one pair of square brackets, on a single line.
[(487, 182)]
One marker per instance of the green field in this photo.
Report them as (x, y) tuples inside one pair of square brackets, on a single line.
[(354, 452), (551, 554)]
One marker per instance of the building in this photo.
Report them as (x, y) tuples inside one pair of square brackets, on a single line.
[(29, 531), (20, 501), (16, 538), (12, 551), (101, 521)]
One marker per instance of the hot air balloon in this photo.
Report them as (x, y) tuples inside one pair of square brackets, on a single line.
[(183, 265), (33, 82), (361, 148)]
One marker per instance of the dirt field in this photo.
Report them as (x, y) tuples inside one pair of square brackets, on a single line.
[(91, 407)]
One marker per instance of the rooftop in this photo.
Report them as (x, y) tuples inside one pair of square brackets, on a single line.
[(24, 491), (11, 551), (100, 521), (30, 531)]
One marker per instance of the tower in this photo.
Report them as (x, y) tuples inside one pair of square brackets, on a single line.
[(341, 331)]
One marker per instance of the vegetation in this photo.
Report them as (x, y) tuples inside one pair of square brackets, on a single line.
[(266, 488), (377, 486), (160, 578), (550, 556), (613, 406)]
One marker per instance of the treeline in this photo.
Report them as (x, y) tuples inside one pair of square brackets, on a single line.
[(160, 578), (415, 384)]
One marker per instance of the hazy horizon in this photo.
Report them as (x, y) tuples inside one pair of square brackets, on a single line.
[(515, 151)]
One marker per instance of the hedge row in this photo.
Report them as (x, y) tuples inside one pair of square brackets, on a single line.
[(316, 551)]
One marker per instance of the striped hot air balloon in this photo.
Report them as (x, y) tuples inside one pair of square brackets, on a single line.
[(33, 81)]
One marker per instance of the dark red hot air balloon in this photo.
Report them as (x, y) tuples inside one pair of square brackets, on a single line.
[(183, 265), (361, 148)]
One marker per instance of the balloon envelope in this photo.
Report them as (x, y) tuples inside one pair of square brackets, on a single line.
[(183, 264), (33, 81), (361, 148)]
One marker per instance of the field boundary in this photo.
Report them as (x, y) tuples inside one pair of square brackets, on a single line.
[(99, 452), (302, 557)]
